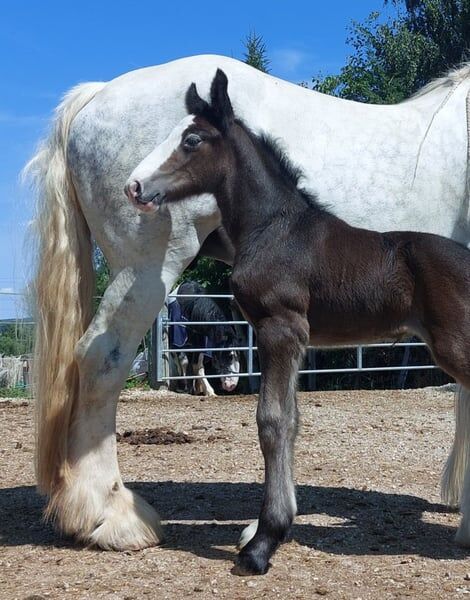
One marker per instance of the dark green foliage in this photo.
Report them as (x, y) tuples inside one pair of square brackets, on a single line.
[(16, 339), (393, 59), (210, 273), (255, 53), (102, 274)]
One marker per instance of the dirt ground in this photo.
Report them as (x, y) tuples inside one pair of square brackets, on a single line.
[(370, 524)]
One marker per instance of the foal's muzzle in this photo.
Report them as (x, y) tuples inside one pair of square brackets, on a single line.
[(143, 199), (133, 191)]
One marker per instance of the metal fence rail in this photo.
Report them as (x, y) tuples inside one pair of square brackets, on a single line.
[(162, 352)]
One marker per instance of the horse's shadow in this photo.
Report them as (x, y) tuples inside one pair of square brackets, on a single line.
[(369, 523)]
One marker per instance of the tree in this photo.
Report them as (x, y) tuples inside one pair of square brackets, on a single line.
[(255, 53), (16, 339), (393, 59)]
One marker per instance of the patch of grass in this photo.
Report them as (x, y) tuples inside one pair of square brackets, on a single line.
[(135, 383), (14, 392)]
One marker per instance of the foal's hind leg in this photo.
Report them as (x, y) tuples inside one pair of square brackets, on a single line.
[(280, 347), (92, 503)]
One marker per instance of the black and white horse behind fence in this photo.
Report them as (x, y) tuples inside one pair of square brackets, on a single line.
[(197, 314)]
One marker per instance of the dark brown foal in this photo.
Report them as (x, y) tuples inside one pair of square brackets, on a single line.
[(301, 274)]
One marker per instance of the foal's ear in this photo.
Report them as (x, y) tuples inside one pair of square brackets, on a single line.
[(219, 112), (195, 105), (220, 101)]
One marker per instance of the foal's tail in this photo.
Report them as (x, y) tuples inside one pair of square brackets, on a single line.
[(64, 286), (458, 461)]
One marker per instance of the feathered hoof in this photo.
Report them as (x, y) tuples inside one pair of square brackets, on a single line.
[(111, 519), (452, 482), (129, 524), (247, 534)]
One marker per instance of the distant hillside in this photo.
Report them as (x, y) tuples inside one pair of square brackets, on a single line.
[(4, 323)]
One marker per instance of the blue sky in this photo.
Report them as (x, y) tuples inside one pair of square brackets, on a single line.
[(49, 46)]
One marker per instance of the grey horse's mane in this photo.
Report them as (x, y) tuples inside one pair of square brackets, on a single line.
[(451, 81), (453, 77)]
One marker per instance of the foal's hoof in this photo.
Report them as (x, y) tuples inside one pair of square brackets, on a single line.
[(249, 564)]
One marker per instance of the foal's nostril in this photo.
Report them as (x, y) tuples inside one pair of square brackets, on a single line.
[(134, 190)]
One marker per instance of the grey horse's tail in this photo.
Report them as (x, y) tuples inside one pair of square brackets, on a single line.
[(64, 286)]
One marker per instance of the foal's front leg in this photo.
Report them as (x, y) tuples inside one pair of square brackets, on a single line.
[(281, 343)]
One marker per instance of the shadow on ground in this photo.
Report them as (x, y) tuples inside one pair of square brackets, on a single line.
[(372, 523)]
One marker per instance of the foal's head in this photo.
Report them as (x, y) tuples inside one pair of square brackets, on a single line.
[(194, 159)]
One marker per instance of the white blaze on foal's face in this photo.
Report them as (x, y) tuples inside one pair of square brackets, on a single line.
[(150, 170)]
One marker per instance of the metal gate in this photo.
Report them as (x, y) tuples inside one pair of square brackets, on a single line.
[(159, 372)]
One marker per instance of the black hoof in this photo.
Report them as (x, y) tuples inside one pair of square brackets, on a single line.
[(249, 564), (288, 536)]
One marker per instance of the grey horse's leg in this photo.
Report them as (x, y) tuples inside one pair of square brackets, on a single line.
[(281, 344), (93, 504)]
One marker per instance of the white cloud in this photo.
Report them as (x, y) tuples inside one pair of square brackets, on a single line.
[(293, 64), (7, 290), (289, 59)]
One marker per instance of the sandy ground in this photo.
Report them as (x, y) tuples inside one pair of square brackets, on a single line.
[(370, 524)]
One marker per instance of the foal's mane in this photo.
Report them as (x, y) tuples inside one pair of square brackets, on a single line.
[(290, 173)]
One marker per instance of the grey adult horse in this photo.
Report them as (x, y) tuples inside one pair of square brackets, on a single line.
[(383, 167)]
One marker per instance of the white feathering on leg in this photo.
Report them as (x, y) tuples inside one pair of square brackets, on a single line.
[(247, 534)]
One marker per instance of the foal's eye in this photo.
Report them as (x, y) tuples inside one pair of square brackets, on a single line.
[(192, 141)]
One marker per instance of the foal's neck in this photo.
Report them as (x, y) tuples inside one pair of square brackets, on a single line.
[(256, 194)]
